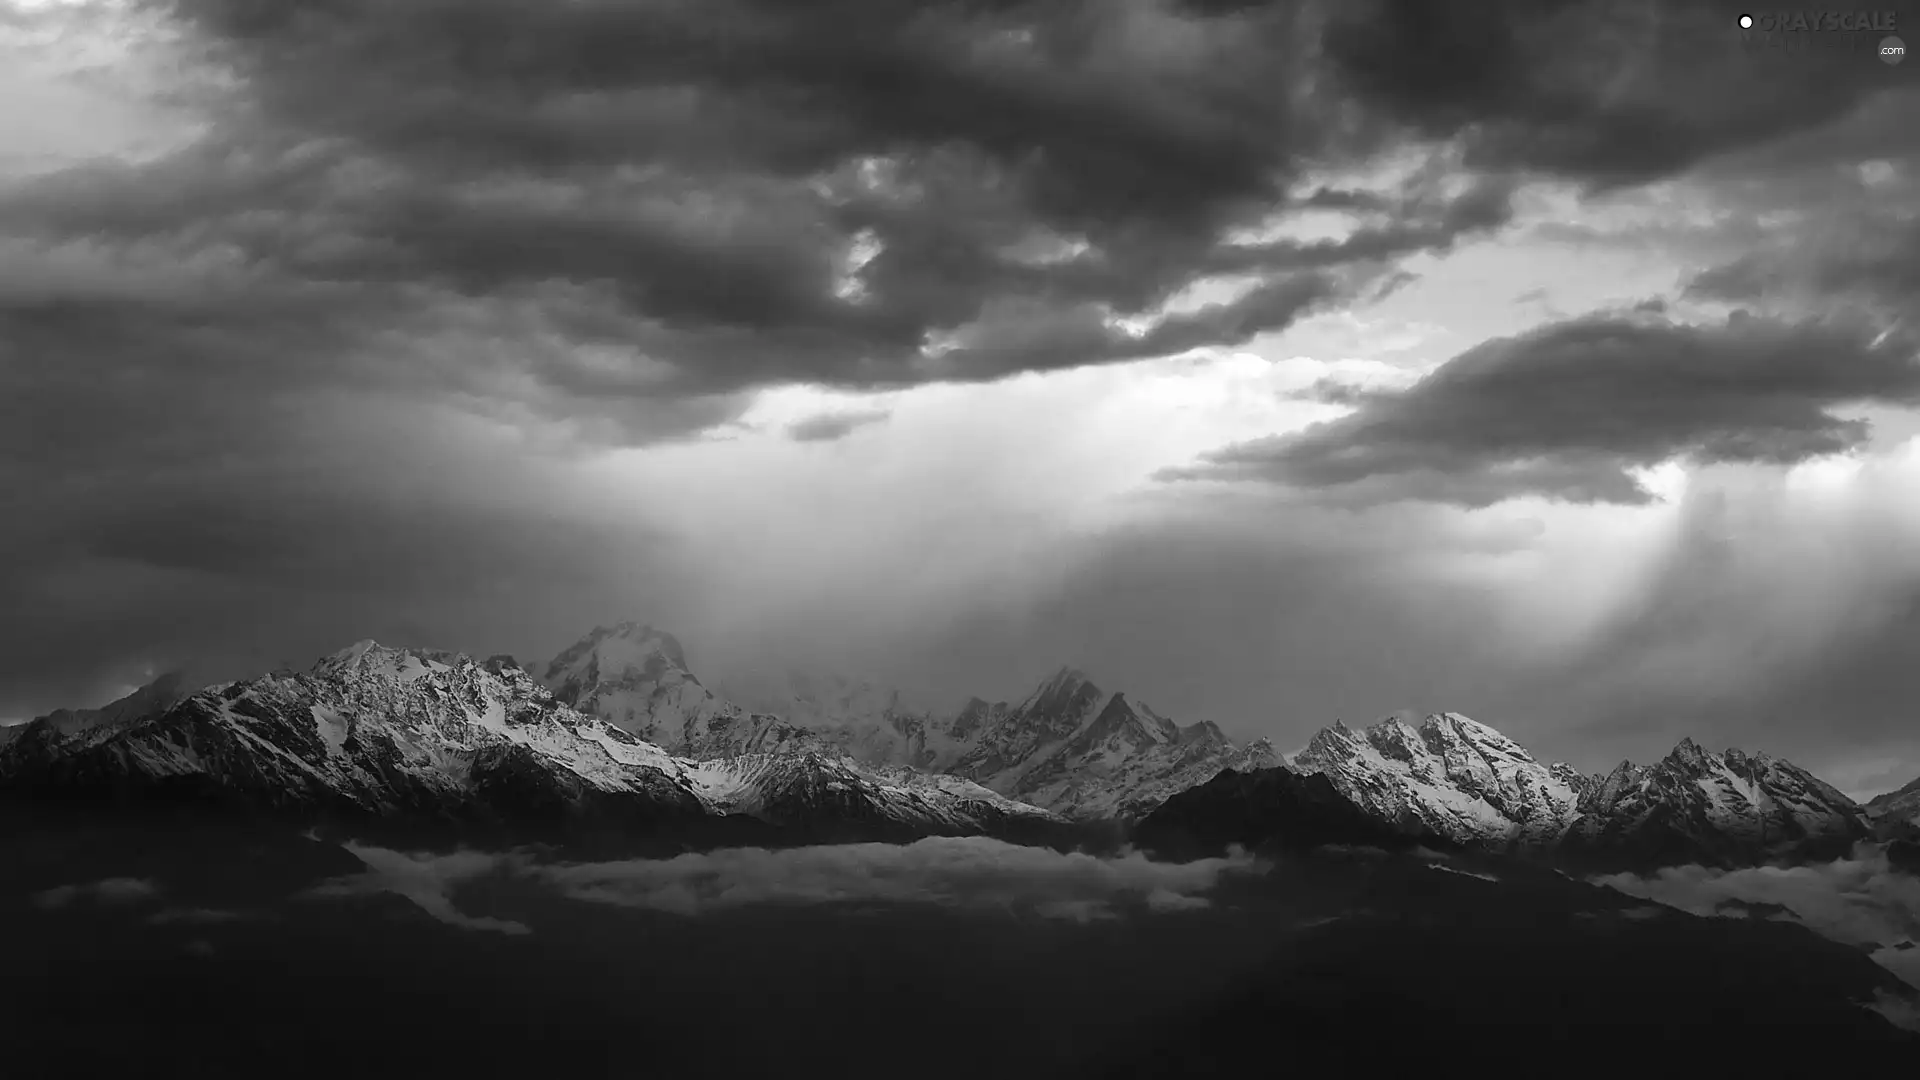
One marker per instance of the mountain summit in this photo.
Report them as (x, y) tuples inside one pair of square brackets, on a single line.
[(636, 678)]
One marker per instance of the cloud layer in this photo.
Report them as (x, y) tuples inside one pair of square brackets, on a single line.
[(969, 872), (425, 878), (117, 891), (1568, 410), (1862, 901)]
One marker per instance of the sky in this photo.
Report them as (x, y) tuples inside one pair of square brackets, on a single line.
[(1278, 363)]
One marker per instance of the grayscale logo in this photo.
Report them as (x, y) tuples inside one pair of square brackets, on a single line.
[(1892, 50)]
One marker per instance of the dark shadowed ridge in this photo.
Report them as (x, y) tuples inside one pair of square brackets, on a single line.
[(1414, 964), (1276, 809)]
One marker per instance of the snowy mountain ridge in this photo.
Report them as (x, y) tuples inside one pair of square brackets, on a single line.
[(1088, 753), (1070, 747), (618, 718), (1715, 804), (386, 731), (1469, 783), (1458, 777)]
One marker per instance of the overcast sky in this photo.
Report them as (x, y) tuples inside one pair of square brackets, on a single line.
[(1551, 362)]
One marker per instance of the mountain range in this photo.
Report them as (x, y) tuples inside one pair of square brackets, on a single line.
[(1464, 781), (617, 727), (1069, 747)]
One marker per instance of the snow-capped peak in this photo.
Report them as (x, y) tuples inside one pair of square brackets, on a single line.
[(1465, 727), (370, 658), (1455, 775), (858, 715), (1687, 752), (635, 677), (1718, 803), (1063, 684), (623, 650), (626, 656)]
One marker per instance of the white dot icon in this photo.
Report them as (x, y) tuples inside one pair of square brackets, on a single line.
[(1746, 22)]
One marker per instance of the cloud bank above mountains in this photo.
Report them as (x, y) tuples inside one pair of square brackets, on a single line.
[(1274, 362)]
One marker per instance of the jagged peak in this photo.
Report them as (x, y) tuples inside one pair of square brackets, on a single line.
[(619, 650), (1446, 726), (1121, 709), (352, 652), (369, 657), (1394, 725), (1336, 734), (1202, 730), (644, 635), (1066, 677), (1465, 725), (1066, 683), (1687, 752)]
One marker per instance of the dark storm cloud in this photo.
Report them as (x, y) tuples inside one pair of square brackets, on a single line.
[(701, 166), (1566, 410), (1611, 93), (1331, 391), (832, 426), (676, 185), (1879, 265), (231, 373)]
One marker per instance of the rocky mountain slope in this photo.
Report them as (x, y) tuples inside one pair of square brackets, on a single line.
[(1069, 747), (1720, 807), (1465, 782), (1462, 779), (868, 721), (73, 727), (1087, 753), (635, 678), (1897, 813), (385, 731)]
